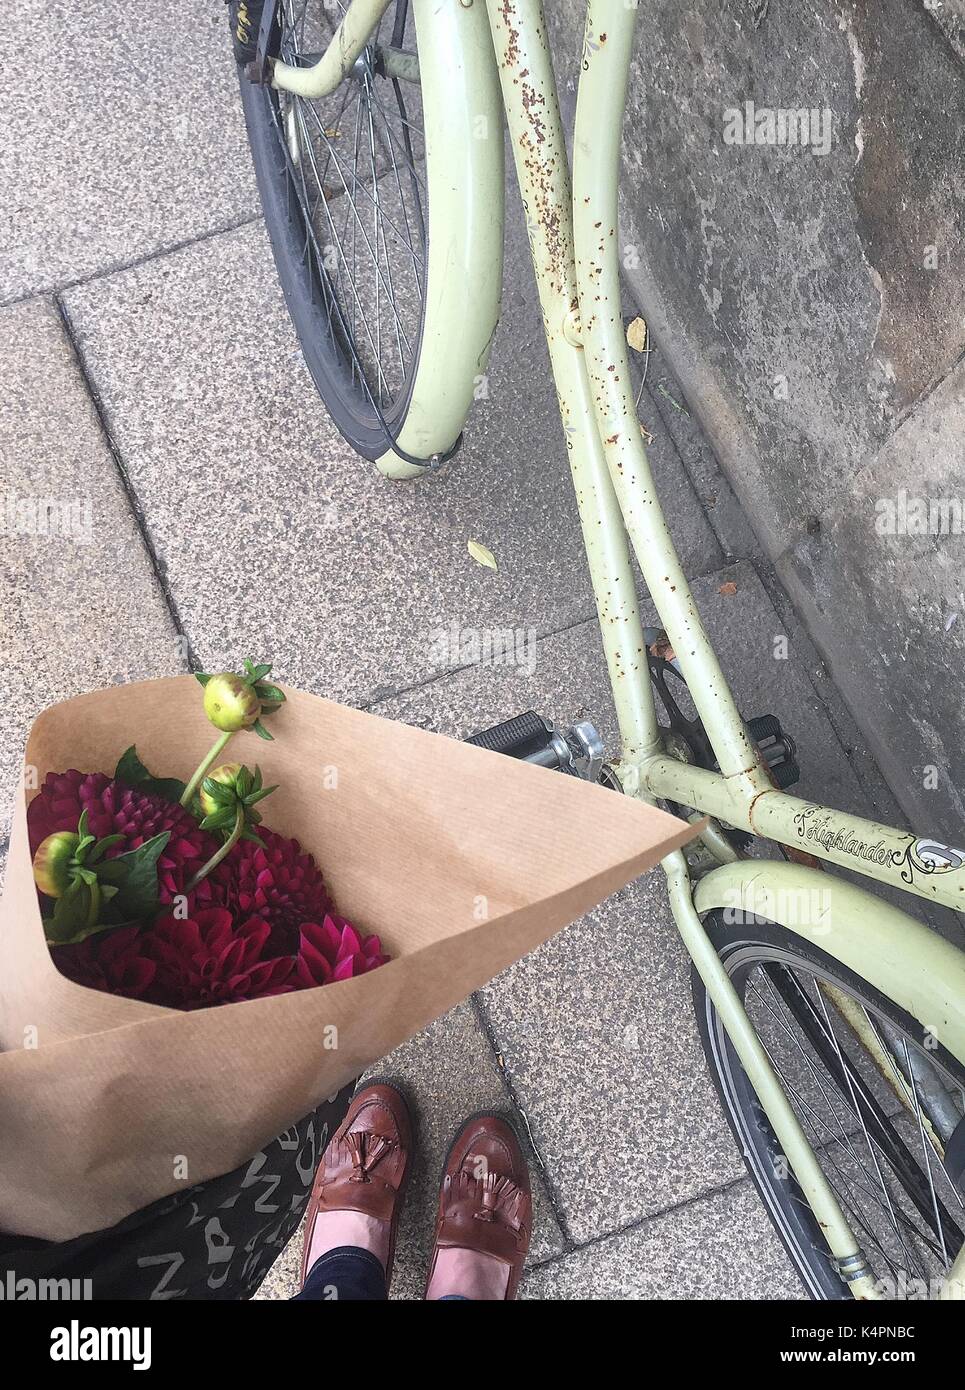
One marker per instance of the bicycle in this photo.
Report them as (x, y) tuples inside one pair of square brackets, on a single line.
[(833, 1023)]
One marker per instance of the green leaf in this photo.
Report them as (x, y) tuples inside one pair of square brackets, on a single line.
[(83, 825), (102, 846), (259, 795), (271, 694), (247, 834), (218, 820), (167, 788), (130, 769), (112, 870), (219, 792), (201, 677), (70, 916), (81, 932), (261, 731), (138, 895), (132, 772), (255, 673)]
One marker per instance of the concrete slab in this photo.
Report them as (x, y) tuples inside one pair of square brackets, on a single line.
[(80, 601), (121, 139), (722, 1247)]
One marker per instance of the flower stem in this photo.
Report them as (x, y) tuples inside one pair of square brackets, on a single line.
[(215, 751), (228, 845)]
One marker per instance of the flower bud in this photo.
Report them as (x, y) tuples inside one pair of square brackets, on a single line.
[(230, 703), (226, 775), (52, 862)]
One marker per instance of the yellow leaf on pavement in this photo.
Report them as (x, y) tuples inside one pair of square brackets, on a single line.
[(482, 555), (637, 334)]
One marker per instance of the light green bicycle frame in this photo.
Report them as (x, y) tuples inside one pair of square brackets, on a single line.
[(574, 240)]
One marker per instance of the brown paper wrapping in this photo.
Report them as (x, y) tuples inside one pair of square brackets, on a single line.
[(100, 1096)]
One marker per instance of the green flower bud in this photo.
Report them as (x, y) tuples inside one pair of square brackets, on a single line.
[(230, 703), (52, 862), (226, 775)]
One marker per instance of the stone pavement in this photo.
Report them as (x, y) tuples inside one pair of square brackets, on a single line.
[(148, 369)]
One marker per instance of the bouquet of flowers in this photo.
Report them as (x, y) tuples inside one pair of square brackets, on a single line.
[(164, 1147), (175, 893)]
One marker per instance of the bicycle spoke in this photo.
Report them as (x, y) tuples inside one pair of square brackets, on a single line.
[(884, 1165), (358, 146), (844, 1141)]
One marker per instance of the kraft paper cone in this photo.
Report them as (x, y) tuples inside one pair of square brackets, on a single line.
[(100, 1096)]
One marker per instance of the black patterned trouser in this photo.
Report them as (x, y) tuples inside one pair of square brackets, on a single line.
[(216, 1240)]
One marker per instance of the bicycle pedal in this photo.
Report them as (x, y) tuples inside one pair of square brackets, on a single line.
[(577, 751), (777, 749)]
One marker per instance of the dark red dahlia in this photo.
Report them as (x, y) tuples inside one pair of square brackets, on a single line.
[(334, 950), (115, 809), (206, 959), (112, 961), (280, 884)]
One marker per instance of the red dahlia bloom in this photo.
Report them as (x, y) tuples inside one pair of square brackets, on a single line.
[(280, 884), (334, 951), (115, 809), (112, 961), (205, 959)]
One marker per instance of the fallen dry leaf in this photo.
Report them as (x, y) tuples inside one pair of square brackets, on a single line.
[(729, 588), (646, 433), (482, 555), (637, 334)]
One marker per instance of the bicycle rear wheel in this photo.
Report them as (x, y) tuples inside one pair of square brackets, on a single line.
[(879, 1117), (358, 207)]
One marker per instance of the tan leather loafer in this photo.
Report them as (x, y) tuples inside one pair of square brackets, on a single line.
[(366, 1165), (486, 1203)]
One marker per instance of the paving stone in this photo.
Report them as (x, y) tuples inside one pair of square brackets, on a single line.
[(123, 136), (720, 1248), (82, 609)]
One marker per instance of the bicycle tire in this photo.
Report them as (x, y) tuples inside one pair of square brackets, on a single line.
[(412, 415), (744, 942)]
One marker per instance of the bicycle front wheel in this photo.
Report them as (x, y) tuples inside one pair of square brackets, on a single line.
[(876, 1094), (383, 207)]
